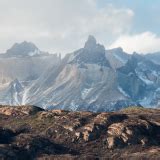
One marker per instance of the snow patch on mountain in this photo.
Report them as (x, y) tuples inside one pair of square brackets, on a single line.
[(120, 58), (123, 92), (35, 52), (73, 106), (144, 78), (85, 92)]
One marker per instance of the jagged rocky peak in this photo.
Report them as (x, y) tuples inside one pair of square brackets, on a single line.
[(92, 53), (92, 45), (23, 49), (91, 42)]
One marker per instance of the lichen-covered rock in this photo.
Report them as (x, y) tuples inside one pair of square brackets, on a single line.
[(19, 110), (132, 132)]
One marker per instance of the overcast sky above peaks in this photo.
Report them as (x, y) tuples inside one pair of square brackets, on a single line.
[(64, 25)]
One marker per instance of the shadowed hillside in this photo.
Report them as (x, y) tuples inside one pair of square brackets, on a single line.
[(29, 132)]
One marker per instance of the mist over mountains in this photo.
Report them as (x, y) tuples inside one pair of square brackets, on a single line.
[(91, 78)]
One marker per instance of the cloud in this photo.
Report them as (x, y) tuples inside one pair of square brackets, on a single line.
[(146, 42), (60, 25)]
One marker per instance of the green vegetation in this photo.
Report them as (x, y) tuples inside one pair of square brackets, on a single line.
[(133, 109)]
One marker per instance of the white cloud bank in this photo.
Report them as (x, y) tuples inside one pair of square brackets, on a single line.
[(146, 42), (60, 25)]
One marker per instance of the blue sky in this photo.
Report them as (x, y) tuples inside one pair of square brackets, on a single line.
[(64, 25), (147, 13)]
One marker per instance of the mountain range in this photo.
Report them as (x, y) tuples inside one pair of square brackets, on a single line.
[(91, 78)]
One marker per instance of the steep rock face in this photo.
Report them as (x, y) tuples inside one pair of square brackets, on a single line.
[(117, 57), (140, 80), (84, 81), (82, 84), (28, 132), (25, 68), (154, 57)]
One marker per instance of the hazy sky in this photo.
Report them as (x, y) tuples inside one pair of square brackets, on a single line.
[(64, 25)]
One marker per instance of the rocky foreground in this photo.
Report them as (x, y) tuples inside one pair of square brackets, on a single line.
[(28, 132)]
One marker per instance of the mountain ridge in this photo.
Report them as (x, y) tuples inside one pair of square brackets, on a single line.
[(91, 78)]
